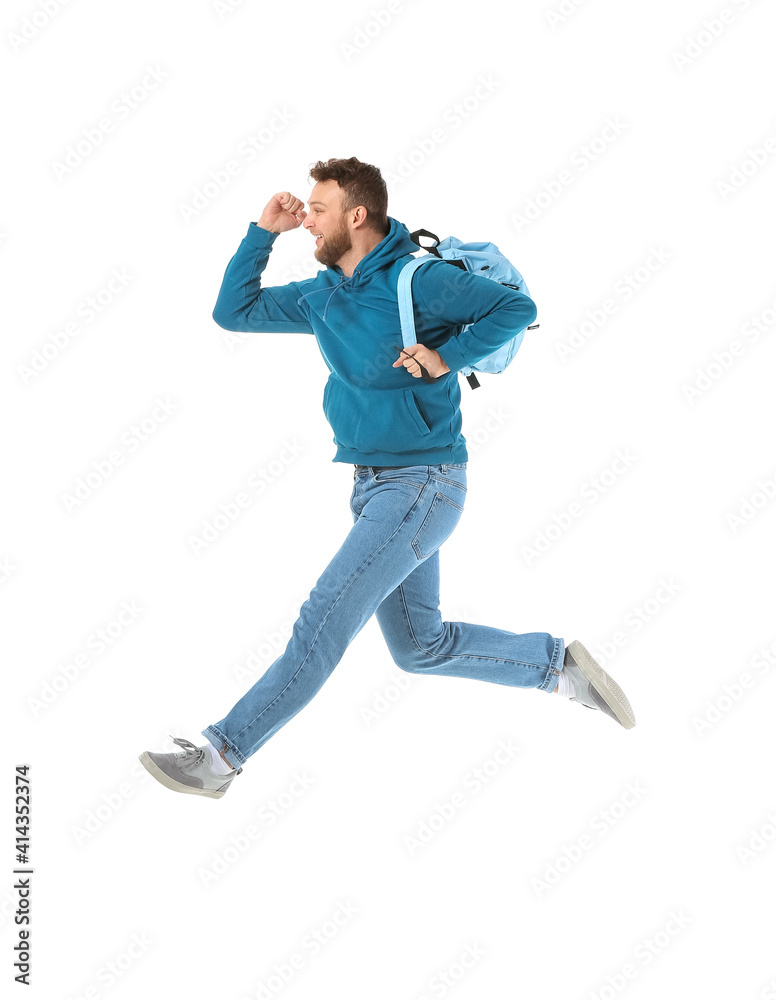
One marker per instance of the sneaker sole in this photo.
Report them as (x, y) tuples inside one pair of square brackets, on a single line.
[(609, 691), (176, 786)]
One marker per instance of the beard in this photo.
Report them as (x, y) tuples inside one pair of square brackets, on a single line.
[(334, 247)]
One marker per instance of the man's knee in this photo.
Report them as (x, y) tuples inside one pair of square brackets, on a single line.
[(415, 654), (414, 661)]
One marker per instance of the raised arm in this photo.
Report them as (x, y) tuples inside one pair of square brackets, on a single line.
[(242, 304)]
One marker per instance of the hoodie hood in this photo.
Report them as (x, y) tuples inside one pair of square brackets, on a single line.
[(397, 243)]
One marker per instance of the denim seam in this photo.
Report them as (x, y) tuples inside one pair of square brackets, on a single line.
[(452, 656), (552, 670), (432, 507), (450, 482), (235, 750)]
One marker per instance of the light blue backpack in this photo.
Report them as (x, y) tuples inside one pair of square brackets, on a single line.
[(484, 259)]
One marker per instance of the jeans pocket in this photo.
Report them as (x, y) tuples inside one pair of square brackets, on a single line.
[(418, 475), (439, 523), (454, 480)]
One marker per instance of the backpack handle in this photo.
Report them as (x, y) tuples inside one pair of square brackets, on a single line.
[(415, 237)]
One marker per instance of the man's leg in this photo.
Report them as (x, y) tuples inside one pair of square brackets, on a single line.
[(401, 517), (421, 642)]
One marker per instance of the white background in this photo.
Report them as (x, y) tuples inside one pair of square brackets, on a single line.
[(591, 852)]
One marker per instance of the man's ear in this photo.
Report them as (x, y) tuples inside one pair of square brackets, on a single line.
[(359, 216)]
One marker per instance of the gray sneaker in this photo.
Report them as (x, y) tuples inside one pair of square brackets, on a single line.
[(188, 771), (594, 688)]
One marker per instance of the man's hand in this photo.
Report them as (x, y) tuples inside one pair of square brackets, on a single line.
[(427, 356), (283, 213)]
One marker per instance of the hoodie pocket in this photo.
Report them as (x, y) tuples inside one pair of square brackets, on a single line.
[(387, 420), (414, 411)]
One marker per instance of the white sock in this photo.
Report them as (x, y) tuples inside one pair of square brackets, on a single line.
[(565, 687), (218, 764)]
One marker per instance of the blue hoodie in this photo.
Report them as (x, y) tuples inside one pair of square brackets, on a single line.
[(380, 415)]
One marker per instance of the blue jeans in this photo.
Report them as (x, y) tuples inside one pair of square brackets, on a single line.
[(388, 565)]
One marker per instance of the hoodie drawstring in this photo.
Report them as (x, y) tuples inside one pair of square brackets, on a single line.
[(336, 288)]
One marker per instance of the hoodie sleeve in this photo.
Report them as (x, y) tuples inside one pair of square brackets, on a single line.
[(243, 305), (457, 298)]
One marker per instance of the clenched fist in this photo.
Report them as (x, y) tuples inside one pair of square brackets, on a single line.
[(283, 213)]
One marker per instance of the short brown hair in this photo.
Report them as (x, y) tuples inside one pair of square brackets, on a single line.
[(361, 184)]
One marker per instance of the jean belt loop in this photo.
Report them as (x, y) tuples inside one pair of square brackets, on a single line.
[(444, 468)]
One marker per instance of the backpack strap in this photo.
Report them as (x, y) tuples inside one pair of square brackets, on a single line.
[(404, 293)]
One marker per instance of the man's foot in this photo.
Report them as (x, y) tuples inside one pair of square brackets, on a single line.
[(593, 687), (188, 771)]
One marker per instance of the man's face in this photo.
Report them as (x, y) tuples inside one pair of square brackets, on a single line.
[(326, 221)]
